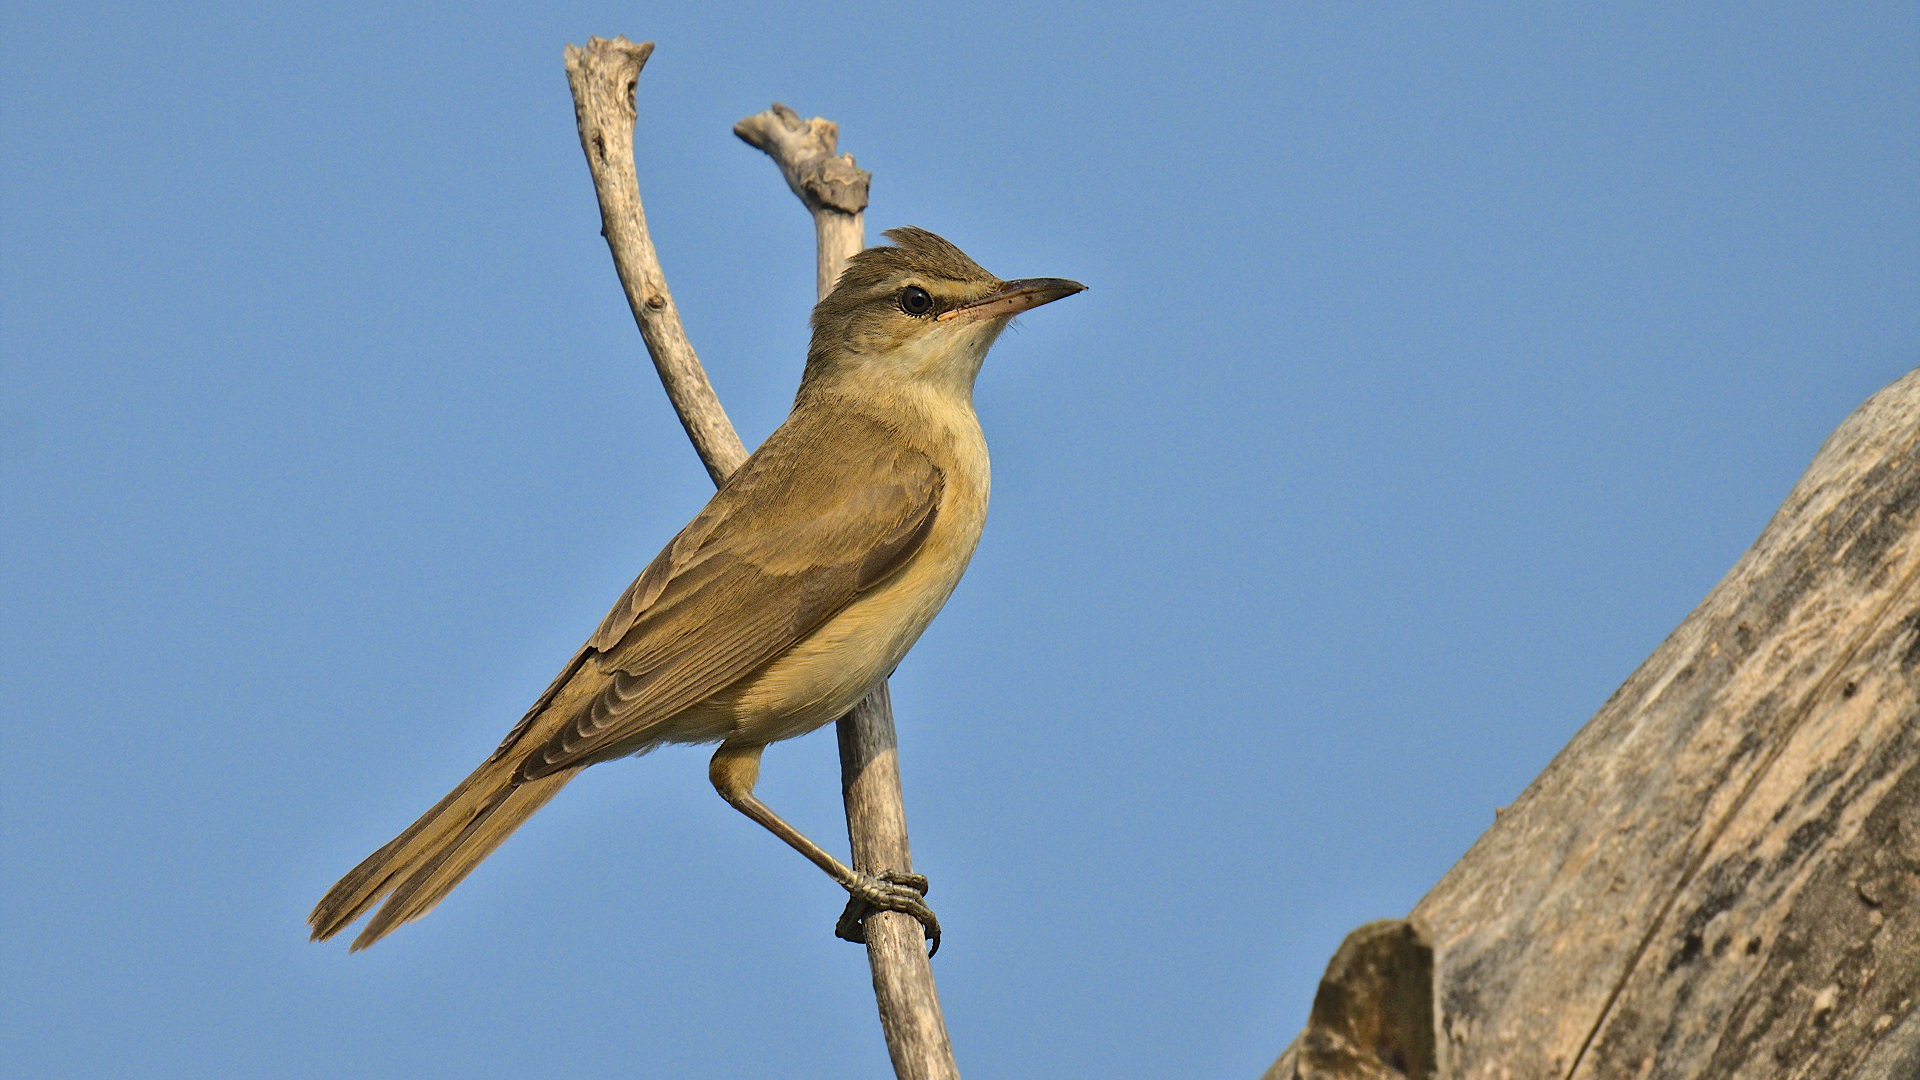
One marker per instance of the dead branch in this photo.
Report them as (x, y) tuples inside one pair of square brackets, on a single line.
[(1719, 877), (834, 191), (603, 77), (832, 188)]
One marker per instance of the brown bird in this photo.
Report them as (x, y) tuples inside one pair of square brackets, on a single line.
[(802, 583)]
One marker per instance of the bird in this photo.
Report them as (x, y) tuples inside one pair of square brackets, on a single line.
[(797, 588)]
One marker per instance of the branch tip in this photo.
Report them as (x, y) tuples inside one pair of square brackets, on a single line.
[(805, 151)]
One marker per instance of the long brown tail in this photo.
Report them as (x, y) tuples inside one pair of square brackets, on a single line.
[(424, 863)]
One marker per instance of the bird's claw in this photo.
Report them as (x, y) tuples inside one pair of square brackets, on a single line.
[(889, 890)]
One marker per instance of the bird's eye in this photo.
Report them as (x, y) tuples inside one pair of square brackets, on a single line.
[(915, 300)]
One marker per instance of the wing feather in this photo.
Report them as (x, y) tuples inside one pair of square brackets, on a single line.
[(789, 541)]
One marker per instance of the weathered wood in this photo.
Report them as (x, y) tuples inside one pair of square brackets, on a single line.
[(828, 183), (603, 77), (1372, 1017), (903, 987), (834, 191), (1719, 877)]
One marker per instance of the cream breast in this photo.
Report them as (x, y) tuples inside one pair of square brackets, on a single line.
[(827, 672)]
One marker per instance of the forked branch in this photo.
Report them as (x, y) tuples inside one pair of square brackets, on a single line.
[(603, 77)]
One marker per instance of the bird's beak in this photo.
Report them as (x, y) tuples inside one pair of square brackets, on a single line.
[(1014, 297)]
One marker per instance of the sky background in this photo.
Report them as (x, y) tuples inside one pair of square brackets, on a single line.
[(1437, 361)]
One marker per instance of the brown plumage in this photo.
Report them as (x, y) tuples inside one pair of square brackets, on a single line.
[(801, 584)]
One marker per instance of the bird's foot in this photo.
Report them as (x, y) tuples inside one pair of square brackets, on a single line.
[(889, 890)]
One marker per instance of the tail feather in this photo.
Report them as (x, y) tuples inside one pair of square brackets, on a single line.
[(435, 878), (421, 865), (365, 884)]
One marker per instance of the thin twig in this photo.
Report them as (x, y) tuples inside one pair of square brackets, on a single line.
[(603, 77), (834, 191)]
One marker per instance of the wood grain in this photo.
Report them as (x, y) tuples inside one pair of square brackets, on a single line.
[(833, 189), (1717, 878)]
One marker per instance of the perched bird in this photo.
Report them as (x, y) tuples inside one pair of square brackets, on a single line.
[(801, 585)]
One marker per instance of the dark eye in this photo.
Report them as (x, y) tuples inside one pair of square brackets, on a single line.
[(914, 300)]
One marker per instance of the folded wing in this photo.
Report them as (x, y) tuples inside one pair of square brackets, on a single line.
[(780, 550)]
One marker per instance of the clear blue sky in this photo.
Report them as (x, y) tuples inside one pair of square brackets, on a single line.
[(1437, 361)]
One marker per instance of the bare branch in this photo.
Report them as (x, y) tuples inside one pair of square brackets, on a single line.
[(833, 189), (603, 77), (896, 946), (835, 193)]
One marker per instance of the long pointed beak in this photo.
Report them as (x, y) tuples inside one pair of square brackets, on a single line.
[(1014, 297)]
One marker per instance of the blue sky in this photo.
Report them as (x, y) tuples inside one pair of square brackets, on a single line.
[(1437, 361)]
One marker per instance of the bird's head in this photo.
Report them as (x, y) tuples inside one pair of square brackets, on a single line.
[(918, 311)]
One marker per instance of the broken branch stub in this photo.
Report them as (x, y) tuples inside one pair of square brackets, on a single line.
[(1372, 1017), (828, 184)]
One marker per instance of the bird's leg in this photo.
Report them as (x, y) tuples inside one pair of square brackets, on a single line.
[(734, 771)]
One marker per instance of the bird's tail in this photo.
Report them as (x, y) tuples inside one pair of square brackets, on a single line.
[(424, 863)]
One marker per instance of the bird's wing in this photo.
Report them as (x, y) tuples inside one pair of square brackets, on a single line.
[(789, 541)]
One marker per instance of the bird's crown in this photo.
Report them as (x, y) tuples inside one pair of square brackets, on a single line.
[(915, 251)]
